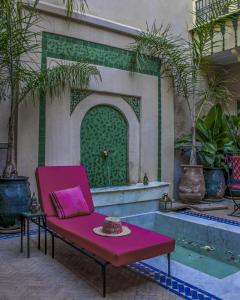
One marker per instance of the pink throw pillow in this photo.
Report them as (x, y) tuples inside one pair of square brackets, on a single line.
[(70, 203)]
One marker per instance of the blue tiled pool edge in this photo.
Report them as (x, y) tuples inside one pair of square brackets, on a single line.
[(211, 218), (173, 284)]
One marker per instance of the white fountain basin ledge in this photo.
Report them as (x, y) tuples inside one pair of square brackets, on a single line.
[(129, 199)]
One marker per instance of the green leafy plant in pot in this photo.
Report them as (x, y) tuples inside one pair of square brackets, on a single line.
[(22, 78), (213, 141), (212, 133)]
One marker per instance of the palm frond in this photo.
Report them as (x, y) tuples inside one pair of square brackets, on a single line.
[(17, 41), (217, 91), (172, 51), (55, 79)]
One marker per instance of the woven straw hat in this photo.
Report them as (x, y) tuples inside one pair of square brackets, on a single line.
[(112, 226)]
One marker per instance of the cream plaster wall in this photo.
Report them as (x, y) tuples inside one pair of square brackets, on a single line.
[(28, 123), (137, 13)]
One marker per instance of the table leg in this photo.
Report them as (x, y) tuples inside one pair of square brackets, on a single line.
[(39, 233), (24, 226), (21, 250), (28, 238)]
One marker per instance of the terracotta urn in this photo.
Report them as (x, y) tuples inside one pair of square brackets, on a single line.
[(192, 184)]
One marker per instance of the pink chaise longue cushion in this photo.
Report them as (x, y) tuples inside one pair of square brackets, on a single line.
[(140, 244)]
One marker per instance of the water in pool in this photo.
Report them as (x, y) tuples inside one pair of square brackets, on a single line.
[(203, 257)]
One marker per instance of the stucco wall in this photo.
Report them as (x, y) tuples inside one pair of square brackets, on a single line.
[(137, 13)]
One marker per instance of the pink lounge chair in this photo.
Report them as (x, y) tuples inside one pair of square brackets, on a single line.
[(78, 231)]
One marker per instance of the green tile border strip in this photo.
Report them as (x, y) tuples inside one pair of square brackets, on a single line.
[(42, 110), (69, 48), (159, 129)]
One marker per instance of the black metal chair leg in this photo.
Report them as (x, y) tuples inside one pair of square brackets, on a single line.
[(28, 238), (53, 246), (21, 250), (169, 264), (104, 280), (236, 208), (24, 226)]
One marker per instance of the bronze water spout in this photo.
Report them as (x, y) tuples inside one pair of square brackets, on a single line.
[(104, 154)]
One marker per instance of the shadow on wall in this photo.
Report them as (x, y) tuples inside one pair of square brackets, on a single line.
[(180, 158), (3, 156)]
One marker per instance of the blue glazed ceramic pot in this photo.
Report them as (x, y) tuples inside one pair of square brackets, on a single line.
[(15, 197), (215, 183)]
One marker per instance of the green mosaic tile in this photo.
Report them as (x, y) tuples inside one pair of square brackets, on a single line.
[(42, 112), (135, 104), (76, 97), (104, 128), (76, 49)]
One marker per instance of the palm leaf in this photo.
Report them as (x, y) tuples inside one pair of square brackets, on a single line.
[(54, 80)]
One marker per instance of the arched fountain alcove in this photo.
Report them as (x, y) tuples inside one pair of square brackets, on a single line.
[(122, 110), (104, 146)]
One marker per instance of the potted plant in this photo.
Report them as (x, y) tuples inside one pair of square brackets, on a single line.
[(213, 141), (21, 78), (186, 62)]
